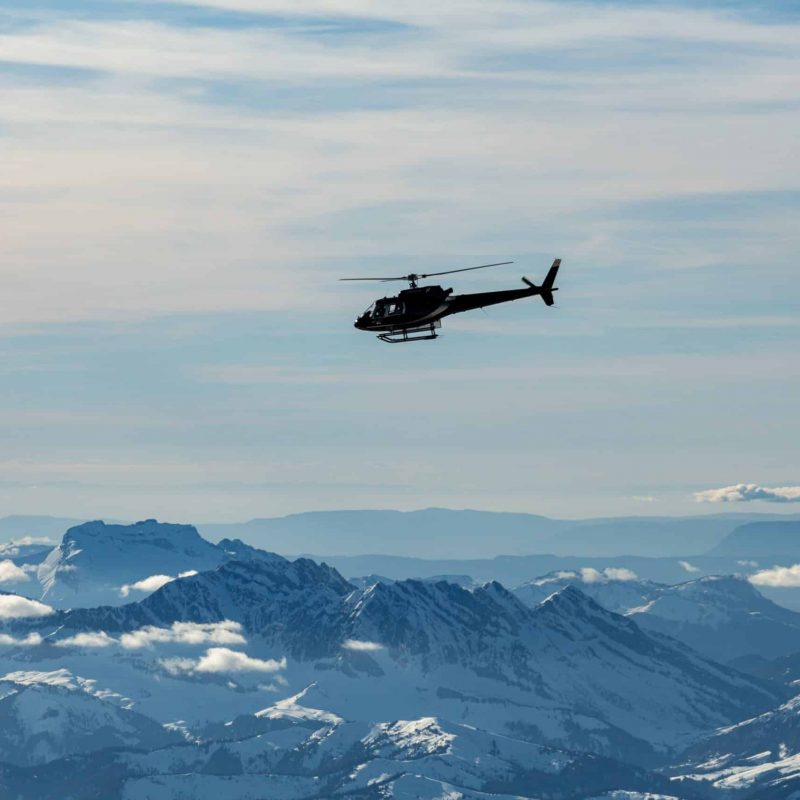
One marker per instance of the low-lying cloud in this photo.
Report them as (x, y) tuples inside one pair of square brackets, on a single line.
[(225, 632), (13, 606), (92, 639), (222, 660), (361, 646), (592, 575), (31, 640), (779, 577), (10, 572), (748, 492), (153, 582), (688, 567)]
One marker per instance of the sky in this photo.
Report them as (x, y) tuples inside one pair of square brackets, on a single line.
[(183, 183)]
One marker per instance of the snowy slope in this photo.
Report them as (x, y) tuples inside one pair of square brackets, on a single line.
[(615, 594), (567, 672), (407, 758), (723, 617), (44, 716)]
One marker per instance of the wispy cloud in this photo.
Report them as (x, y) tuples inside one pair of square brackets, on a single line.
[(688, 567), (361, 646), (779, 577), (154, 582), (748, 492)]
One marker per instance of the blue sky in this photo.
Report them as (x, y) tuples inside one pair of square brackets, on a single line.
[(183, 183)]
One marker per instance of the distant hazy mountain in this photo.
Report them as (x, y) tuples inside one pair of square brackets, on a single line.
[(443, 533), (19, 526), (772, 540)]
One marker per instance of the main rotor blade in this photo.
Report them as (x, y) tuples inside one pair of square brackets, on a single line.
[(466, 269), (415, 277), (401, 278)]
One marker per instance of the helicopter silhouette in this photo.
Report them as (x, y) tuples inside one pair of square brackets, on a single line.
[(416, 313)]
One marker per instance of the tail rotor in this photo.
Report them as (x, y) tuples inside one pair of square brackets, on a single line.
[(547, 288)]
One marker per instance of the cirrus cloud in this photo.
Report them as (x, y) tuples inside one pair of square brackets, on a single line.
[(747, 492)]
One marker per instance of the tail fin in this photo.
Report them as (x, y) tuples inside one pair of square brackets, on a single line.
[(546, 289)]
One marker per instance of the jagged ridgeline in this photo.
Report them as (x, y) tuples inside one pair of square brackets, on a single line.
[(225, 670)]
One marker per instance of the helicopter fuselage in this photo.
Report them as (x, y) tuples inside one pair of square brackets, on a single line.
[(425, 305)]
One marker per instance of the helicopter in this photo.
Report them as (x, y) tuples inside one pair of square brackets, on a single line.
[(416, 313)]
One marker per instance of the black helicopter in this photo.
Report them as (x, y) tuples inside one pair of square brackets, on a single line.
[(416, 313)]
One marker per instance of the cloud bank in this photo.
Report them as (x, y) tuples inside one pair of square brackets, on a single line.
[(747, 492)]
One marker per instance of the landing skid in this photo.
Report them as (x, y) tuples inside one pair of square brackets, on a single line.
[(400, 335)]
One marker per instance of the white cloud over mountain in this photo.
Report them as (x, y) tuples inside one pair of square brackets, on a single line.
[(9, 572), (361, 646), (225, 632), (90, 639), (13, 606), (153, 582), (221, 660), (747, 492), (778, 577)]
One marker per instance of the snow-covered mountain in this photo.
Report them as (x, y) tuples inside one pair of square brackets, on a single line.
[(617, 590), (723, 617), (425, 758), (261, 676), (566, 673), (100, 563), (49, 715), (758, 757)]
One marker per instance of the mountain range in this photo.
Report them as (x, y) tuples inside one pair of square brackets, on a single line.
[(255, 675)]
